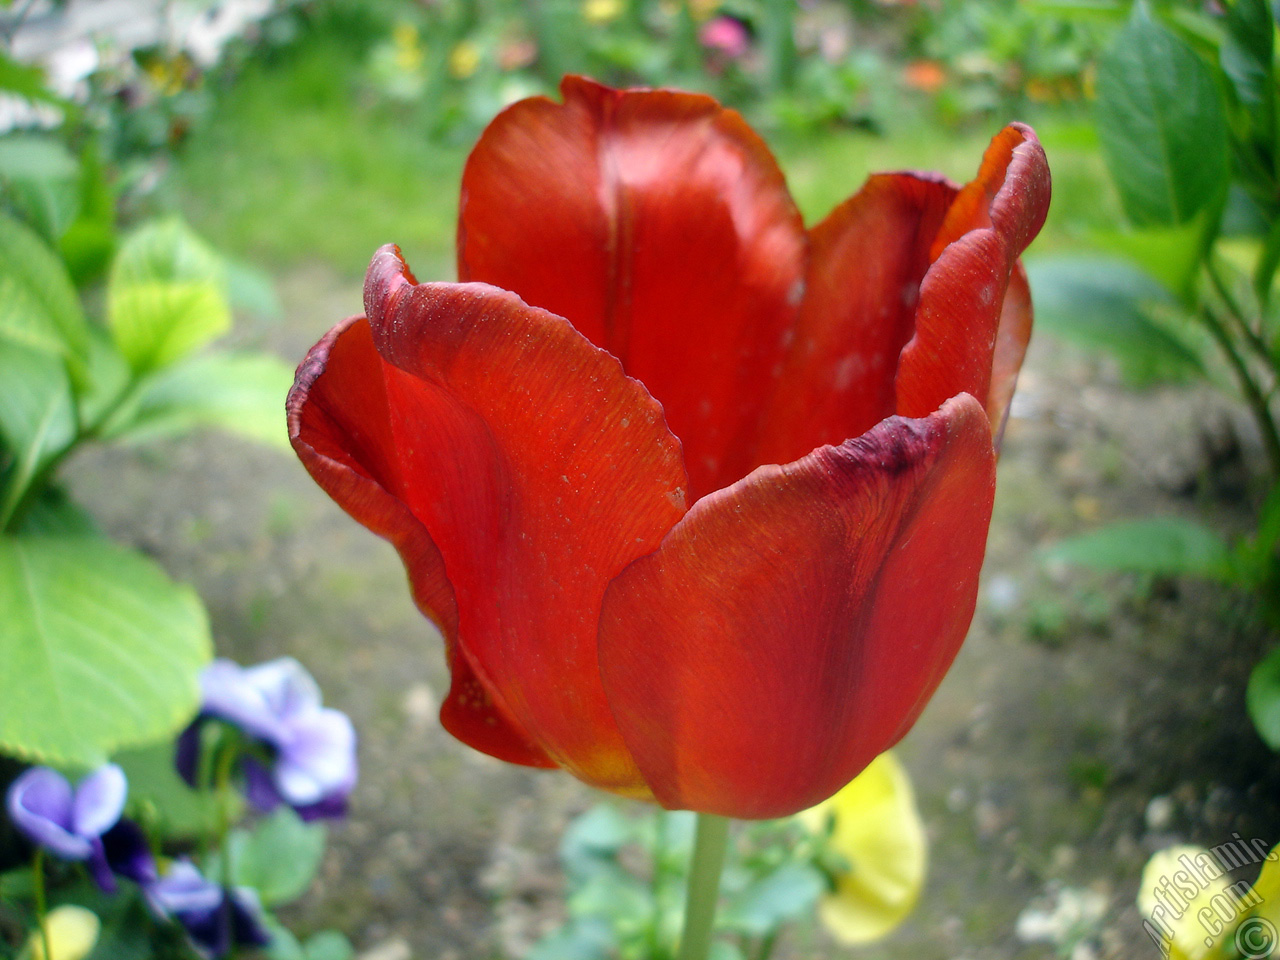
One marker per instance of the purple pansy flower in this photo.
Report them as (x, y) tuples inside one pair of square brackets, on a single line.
[(213, 916), (83, 823), (313, 766)]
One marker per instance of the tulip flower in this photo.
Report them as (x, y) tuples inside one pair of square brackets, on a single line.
[(697, 498), (277, 704), (82, 823)]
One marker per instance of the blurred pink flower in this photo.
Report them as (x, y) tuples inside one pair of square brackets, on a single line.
[(725, 35)]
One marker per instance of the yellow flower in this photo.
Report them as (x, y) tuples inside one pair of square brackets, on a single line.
[(464, 60), (1193, 909), (407, 46), (73, 932), (600, 12), (876, 827)]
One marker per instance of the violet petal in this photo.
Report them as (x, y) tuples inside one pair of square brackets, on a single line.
[(99, 801), (318, 758), (40, 804)]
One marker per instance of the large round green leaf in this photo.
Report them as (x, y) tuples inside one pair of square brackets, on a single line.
[(98, 649)]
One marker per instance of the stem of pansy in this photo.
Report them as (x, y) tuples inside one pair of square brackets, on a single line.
[(222, 791), (42, 911), (704, 886)]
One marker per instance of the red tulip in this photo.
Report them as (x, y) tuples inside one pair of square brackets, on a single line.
[(576, 449)]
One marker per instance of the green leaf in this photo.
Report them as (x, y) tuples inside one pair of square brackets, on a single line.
[(1246, 54), (329, 945), (589, 938), (37, 419), (1161, 123), (593, 840), (54, 514), (788, 892), (239, 392), (1170, 255), (1262, 698), (724, 950), (100, 650), (166, 297), (161, 799), (250, 290), (283, 945), (1165, 546), (38, 305), (1102, 303), (279, 857), (1107, 11), (90, 240), (26, 80), (41, 178), (106, 378)]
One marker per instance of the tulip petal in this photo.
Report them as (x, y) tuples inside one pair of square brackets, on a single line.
[(540, 471), (660, 226), (340, 426), (1012, 337), (961, 317), (793, 626), (867, 259)]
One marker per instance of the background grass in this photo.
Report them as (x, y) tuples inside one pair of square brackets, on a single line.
[(302, 162)]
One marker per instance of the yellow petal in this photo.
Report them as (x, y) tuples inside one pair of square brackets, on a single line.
[(1190, 902), (73, 931), (877, 828)]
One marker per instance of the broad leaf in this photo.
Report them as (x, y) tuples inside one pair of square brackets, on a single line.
[(98, 649), (167, 295), (278, 857), (37, 418), (1106, 304), (1161, 123), (176, 810), (1247, 52), (53, 514), (785, 894), (1170, 255), (585, 938), (1165, 546), (38, 305), (26, 80), (90, 240), (239, 392), (1262, 698), (106, 380), (41, 179), (329, 945)]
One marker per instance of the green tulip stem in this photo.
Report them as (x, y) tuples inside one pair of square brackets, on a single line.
[(704, 886), (42, 909)]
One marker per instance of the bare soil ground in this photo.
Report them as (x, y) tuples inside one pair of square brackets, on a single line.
[(1077, 699)]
